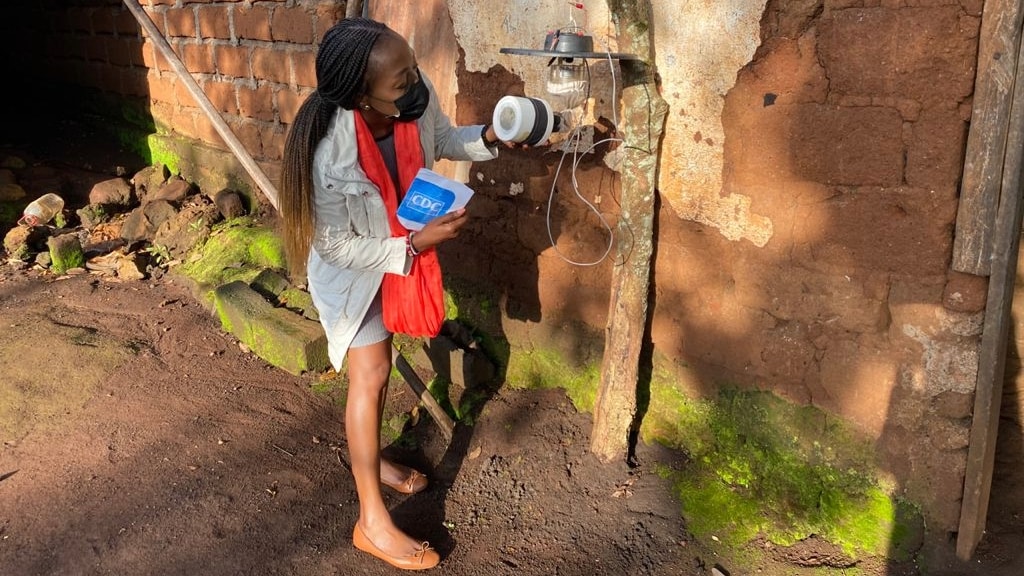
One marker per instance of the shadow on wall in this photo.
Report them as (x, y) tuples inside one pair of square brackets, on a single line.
[(1005, 521), (848, 307)]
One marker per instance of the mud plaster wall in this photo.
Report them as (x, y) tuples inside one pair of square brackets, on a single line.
[(808, 186)]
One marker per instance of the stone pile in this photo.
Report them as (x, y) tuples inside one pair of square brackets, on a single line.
[(131, 228)]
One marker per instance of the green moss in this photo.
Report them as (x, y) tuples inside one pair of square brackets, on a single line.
[(299, 301), (439, 389), (451, 308), (546, 369), (237, 249), (267, 250), (760, 465), (65, 255), (161, 153), (136, 141)]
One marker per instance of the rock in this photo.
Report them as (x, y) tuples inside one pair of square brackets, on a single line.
[(148, 180), (175, 190), (22, 242), (965, 292), (143, 222), (9, 188), (65, 253), (10, 192), (271, 284), (191, 226), (229, 203), (16, 243), (280, 337), (159, 211), (112, 192), (130, 267), (136, 227), (92, 216), (299, 301), (954, 405), (463, 367), (14, 162), (276, 288)]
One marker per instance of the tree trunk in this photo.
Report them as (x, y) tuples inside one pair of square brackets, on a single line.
[(643, 120)]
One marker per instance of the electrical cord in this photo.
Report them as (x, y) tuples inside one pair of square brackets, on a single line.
[(574, 142)]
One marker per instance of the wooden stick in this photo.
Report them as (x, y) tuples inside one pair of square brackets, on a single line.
[(986, 141), (992, 354), (436, 412), (255, 172), (355, 8)]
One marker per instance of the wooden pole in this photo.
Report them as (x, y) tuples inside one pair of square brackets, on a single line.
[(992, 354), (986, 141), (355, 8), (644, 112), (255, 172), (436, 412)]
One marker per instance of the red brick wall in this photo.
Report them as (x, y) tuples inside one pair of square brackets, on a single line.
[(255, 61)]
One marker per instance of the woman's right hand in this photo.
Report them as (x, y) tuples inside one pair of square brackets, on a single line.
[(439, 229)]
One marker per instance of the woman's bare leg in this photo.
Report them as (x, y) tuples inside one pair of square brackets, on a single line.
[(369, 368)]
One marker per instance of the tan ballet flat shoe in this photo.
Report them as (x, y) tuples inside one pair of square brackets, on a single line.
[(423, 559), (413, 483)]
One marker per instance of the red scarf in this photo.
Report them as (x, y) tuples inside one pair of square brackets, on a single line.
[(413, 304)]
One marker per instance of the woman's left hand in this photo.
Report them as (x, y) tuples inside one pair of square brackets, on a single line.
[(440, 229)]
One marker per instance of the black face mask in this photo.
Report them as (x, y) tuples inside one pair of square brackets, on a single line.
[(413, 103)]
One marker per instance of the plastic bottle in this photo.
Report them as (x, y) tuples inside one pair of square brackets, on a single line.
[(42, 210)]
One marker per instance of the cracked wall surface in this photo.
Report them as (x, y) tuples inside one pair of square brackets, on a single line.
[(808, 180), (701, 46)]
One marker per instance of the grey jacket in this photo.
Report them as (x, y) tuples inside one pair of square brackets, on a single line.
[(352, 244)]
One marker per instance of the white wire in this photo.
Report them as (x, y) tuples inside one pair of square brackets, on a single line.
[(611, 69), (574, 141)]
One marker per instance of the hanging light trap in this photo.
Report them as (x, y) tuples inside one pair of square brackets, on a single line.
[(569, 45)]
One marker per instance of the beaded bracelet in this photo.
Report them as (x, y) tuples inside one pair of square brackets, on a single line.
[(409, 248), (483, 136)]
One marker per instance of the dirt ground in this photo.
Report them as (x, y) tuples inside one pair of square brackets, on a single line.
[(140, 439)]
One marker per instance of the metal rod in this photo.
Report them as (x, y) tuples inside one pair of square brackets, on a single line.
[(255, 172)]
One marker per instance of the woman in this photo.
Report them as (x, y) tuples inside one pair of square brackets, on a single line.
[(373, 121)]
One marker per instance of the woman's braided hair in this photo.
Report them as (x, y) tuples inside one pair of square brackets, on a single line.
[(342, 63)]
